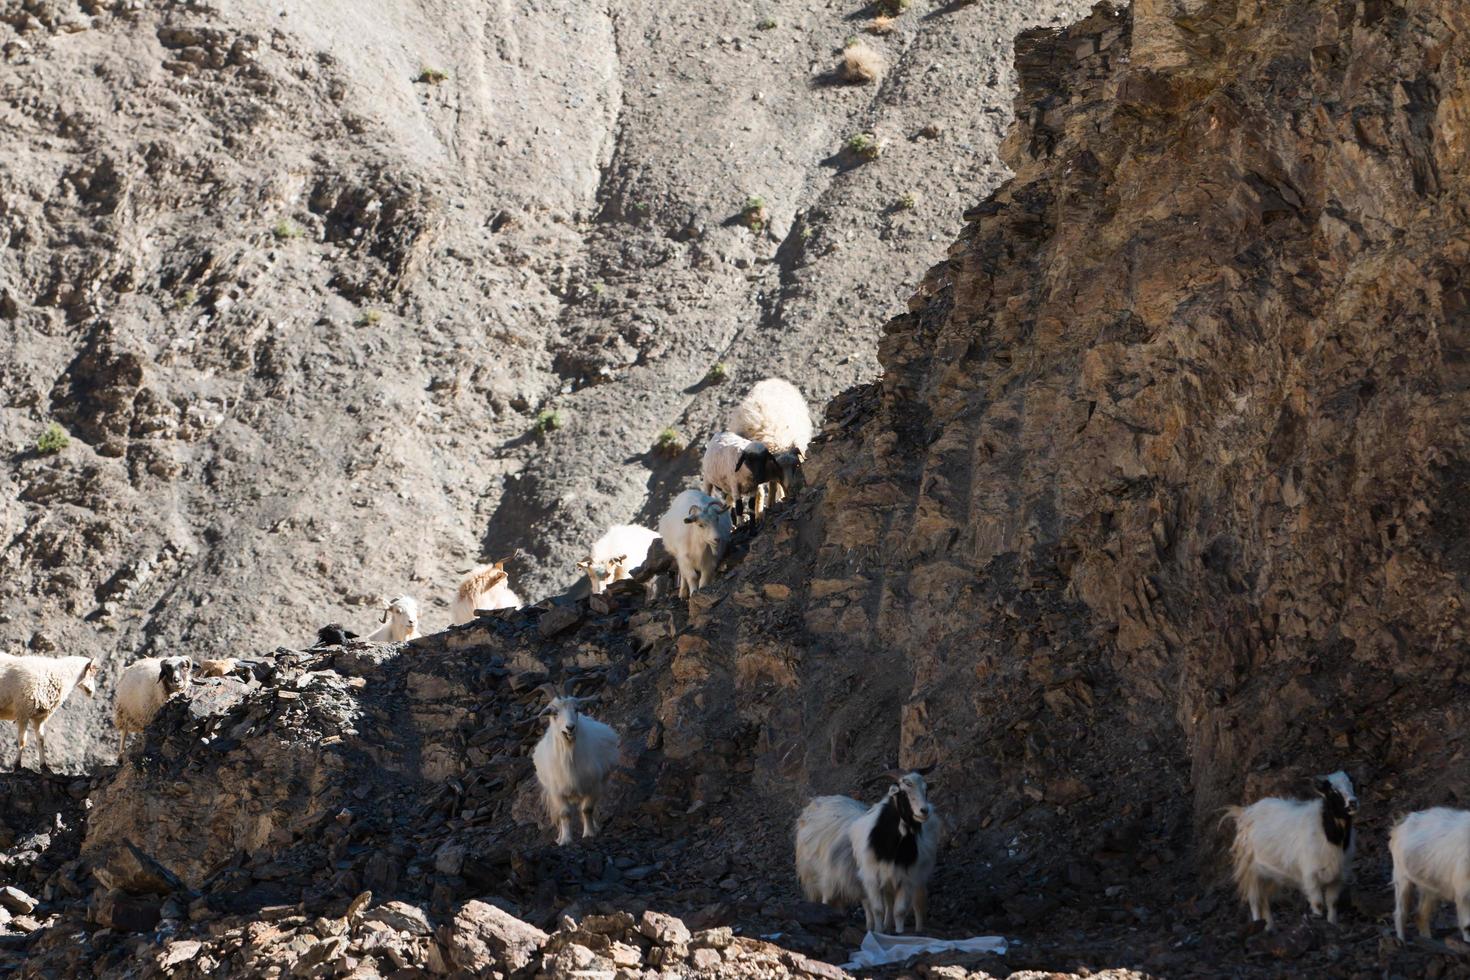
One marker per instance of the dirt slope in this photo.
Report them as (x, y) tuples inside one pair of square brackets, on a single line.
[(298, 299)]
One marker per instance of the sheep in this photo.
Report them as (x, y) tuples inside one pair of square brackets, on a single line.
[(32, 688), (696, 530), (729, 466), (1304, 844), (400, 621), (881, 855), (573, 760), (1431, 852), (483, 587), (775, 474), (617, 554), (775, 414), (218, 668), (334, 635), (143, 688)]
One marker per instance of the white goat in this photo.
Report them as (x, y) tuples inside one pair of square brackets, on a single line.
[(696, 531), (882, 855), (400, 621), (1302, 844), (483, 587), (573, 760), (617, 554), (773, 413), (1431, 852), (143, 688), (32, 688)]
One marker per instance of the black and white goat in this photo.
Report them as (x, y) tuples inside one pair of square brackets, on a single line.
[(1301, 844), (881, 855), (1431, 852)]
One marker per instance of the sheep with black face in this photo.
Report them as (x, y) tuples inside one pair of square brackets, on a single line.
[(573, 760), (1302, 844), (143, 688)]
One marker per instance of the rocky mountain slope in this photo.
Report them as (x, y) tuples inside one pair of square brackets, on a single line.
[(299, 281), (1159, 504)]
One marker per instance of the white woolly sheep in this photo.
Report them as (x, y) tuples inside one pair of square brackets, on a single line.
[(773, 413), (881, 855), (400, 621), (573, 760), (1302, 844), (1431, 852), (143, 688), (484, 587), (32, 688), (696, 530), (617, 554)]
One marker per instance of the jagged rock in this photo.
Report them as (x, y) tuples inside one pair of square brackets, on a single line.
[(400, 917), (482, 937), (16, 901), (666, 930)]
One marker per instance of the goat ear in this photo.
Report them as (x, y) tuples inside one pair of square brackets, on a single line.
[(894, 774), (1321, 785), (618, 560), (926, 770), (585, 564)]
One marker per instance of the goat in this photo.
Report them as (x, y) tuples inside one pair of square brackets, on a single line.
[(1303, 844), (881, 855), (696, 530), (1431, 852), (483, 587), (573, 760), (400, 621), (617, 554)]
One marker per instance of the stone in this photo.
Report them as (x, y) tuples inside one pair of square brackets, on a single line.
[(481, 936), (666, 930), (716, 938), (704, 959), (16, 901), (401, 917)]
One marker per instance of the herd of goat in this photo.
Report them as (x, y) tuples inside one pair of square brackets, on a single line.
[(847, 852)]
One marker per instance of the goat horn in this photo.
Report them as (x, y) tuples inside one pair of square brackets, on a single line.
[(926, 770)]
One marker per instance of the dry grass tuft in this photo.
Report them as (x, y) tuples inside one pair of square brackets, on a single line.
[(860, 64), (882, 24)]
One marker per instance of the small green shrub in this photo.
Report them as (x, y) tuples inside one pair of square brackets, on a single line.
[(287, 229), (908, 202), (548, 421), (718, 372), (186, 299), (669, 443), (753, 215), (432, 76), (53, 440), (864, 146), (767, 24), (369, 318), (894, 7)]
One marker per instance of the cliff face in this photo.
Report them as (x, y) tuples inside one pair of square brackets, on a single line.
[(249, 246), (1159, 504)]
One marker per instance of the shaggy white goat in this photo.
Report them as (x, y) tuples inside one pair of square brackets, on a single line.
[(1431, 852), (573, 760), (400, 621), (32, 688), (696, 531), (773, 413), (617, 554), (143, 688), (1302, 844), (484, 587), (881, 855)]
